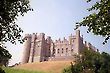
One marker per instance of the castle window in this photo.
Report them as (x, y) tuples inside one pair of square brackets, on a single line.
[(58, 51), (66, 50), (49, 51), (62, 50), (73, 40), (54, 51), (71, 50)]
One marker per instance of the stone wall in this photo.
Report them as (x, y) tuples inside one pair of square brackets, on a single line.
[(38, 48)]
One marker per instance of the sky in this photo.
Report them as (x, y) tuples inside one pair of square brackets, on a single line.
[(55, 18)]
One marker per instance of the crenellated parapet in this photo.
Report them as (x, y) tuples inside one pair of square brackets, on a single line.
[(38, 47), (27, 36), (48, 40), (59, 41), (90, 46)]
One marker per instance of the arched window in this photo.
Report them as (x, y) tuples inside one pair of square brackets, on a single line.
[(62, 50), (54, 51), (71, 50), (49, 51), (66, 50), (58, 51), (73, 40)]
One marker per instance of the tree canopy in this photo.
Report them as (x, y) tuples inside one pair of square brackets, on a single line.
[(4, 56), (90, 62), (99, 21), (9, 11), (9, 30)]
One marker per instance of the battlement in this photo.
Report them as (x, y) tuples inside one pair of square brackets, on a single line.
[(42, 34), (36, 35), (90, 46), (40, 48), (61, 41), (27, 36), (48, 40)]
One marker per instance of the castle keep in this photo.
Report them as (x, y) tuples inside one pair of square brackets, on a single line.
[(37, 48)]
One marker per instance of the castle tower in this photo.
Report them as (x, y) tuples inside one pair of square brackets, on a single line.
[(70, 39), (39, 48), (52, 50), (27, 46), (77, 42), (32, 47), (48, 46)]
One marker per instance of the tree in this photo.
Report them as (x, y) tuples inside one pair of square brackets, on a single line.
[(4, 56), (90, 62), (99, 21), (9, 11), (9, 30), (1, 70)]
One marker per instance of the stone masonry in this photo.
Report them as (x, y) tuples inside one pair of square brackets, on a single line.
[(37, 48)]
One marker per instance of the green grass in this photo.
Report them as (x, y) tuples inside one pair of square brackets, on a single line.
[(11, 70)]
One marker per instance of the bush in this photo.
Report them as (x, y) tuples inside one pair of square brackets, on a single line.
[(1, 70), (90, 62)]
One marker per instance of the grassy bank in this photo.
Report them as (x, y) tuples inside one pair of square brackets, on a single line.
[(48, 66), (11, 70)]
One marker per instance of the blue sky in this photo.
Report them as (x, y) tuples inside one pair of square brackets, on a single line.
[(55, 18)]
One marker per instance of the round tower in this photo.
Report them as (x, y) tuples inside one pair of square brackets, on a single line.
[(27, 46)]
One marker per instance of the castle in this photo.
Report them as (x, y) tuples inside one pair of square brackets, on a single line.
[(37, 48)]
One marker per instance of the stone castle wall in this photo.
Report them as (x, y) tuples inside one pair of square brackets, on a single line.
[(37, 48)]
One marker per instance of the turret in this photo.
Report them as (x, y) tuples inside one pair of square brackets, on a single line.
[(39, 47), (78, 33), (77, 42), (42, 36), (27, 46), (70, 39), (48, 40)]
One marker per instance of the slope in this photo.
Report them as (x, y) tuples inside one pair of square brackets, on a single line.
[(48, 66)]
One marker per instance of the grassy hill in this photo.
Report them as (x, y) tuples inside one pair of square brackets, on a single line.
[(11, 70), (48, 67)]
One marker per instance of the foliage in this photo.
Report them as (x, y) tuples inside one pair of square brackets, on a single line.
[(99, 21), (90, 62), (9, 11), (9, 30), (1, 70), (4, 56), (67, 70)]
